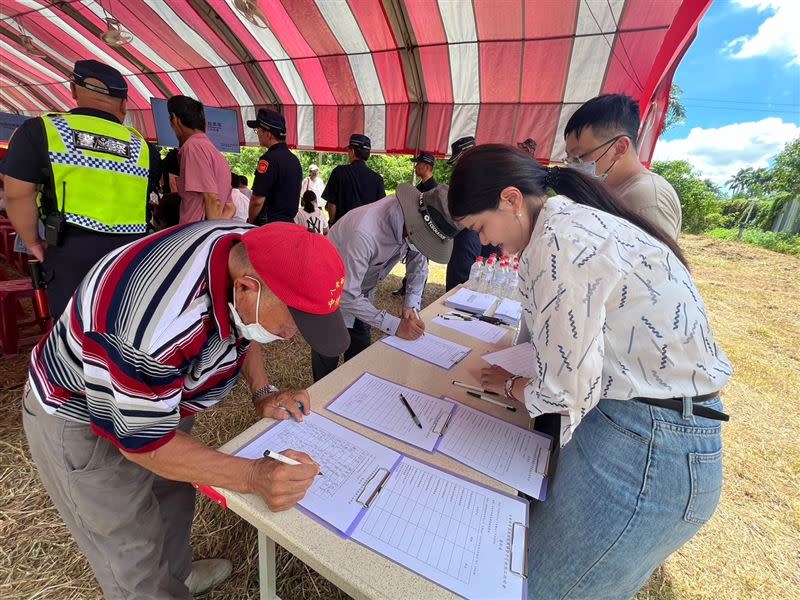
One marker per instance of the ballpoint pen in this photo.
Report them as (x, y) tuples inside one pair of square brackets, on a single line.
[(491, 400), (475, 389), (416, 314), (283, 459), (410, 410)]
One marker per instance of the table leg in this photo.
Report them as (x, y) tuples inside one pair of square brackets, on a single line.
[(266, 567)]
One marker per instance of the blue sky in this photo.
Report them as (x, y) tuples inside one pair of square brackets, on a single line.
[(741, 88)]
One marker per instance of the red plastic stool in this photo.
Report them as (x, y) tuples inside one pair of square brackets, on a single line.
[(7, 236), (11, 292)]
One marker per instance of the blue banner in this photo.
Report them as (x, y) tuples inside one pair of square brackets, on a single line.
[(9, 122), (222, 127)]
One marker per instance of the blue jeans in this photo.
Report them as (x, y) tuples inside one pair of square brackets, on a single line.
[(634, 484)]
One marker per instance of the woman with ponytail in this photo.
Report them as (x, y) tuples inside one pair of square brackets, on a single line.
[(624, 353)]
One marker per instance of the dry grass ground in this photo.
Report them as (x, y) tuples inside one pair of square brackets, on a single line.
[(750, 549)]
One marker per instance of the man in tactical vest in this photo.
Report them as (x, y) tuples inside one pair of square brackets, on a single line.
[(84, 175)]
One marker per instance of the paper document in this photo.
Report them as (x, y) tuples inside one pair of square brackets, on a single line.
[(486, 332), (430, 348), (452, 531), (509, 311), (349, 463), (471, 301), (512, 455), (519, 359), (375, 402)]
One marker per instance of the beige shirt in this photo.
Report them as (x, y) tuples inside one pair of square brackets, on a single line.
[(651, 196)]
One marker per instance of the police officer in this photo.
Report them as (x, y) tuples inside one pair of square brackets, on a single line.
[(354, 184), (276, 186), (95, 176), (424, 162), (423, 168), (371, 240), (466, 244)]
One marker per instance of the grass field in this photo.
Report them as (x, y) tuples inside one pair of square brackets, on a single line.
[(750, 548)]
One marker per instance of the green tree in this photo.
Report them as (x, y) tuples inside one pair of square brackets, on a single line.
[(245, 162), (738, 183), (750, 182), (700, 202), (784, 177), (676, 111)]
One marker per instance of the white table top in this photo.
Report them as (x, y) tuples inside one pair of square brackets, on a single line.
[(357, 570)]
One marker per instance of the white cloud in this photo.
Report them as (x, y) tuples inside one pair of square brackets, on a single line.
[(776, 36), (719, 153)]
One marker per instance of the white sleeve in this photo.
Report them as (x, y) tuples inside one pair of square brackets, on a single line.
[(567, 298)]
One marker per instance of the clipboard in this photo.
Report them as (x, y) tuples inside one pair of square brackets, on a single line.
[(535, 485), (384, 487)]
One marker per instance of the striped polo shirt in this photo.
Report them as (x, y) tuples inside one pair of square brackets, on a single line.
[(146, 339)]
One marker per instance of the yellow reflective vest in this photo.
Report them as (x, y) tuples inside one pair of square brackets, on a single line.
[(100, 172)]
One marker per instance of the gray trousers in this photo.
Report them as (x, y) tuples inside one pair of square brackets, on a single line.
[(132, 525)]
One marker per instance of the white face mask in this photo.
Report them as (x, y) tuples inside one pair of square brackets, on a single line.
[(588, 168), (253, 331)]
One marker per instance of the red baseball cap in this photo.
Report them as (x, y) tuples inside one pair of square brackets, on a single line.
[(304, 270)]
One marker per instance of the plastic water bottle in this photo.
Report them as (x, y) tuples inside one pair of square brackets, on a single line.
[(498, 287), (512, 284), (486, 276), (475, 272)]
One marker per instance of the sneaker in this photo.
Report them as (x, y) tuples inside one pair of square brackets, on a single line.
[(207, 574)]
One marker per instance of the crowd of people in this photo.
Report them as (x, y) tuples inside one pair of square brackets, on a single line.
[(154, 327)]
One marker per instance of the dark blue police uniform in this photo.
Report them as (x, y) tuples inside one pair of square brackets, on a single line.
[(353, 185), (466, 244), (278, 175)]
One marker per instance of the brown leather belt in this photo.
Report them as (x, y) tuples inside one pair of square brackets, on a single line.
[(677, 404)]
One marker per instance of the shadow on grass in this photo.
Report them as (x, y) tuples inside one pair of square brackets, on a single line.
[(658, 587)]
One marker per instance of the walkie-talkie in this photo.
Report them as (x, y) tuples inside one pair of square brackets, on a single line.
[(54, 222)]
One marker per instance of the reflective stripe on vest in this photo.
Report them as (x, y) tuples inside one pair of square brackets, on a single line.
[(105, 167)]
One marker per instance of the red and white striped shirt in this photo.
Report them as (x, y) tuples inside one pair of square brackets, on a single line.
[(146, 338)]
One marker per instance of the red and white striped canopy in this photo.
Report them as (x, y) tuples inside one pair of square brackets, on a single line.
[(411, 74)]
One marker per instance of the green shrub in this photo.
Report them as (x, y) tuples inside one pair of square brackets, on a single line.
[(784, 243)]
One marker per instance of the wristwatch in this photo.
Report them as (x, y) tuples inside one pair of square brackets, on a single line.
[(264, 391)]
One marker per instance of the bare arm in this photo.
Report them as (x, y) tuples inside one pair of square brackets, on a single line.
[(185, 458), (256, 204), (331, 208), (215, 210), (253, 368), (23, 213)]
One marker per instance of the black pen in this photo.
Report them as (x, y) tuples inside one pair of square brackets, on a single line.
[(491, 400), (410, 410), (478, 390)]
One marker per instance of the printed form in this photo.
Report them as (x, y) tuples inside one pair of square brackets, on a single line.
[(486, 332), (513, 455), (349, 463), (519, 359), (471, 301), (430, 348), (459, 534), (375, 403)]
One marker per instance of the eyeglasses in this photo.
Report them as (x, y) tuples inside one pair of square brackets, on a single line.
[(579, 159)]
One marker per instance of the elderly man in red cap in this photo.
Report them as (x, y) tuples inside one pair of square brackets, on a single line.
[(158, 331)]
